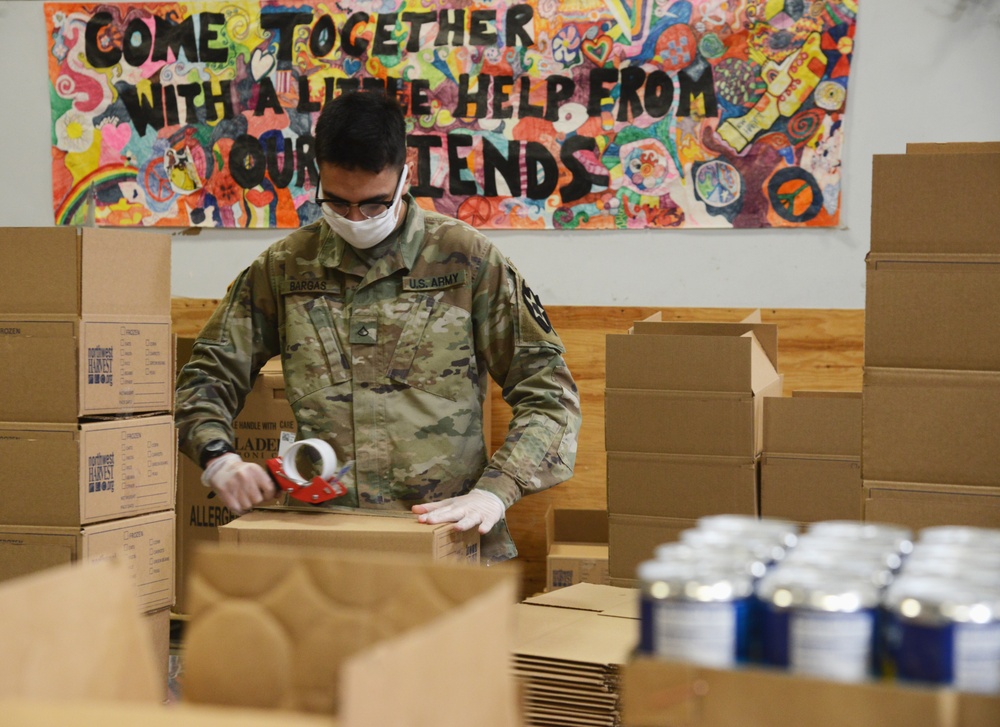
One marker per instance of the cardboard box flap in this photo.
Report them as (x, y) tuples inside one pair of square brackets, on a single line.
[(766, 333), (582, 637), (763, 374), (273, 627), (585, 597), (567, 525), (91, 713), (75, 632), (920, 203), (813, 424)]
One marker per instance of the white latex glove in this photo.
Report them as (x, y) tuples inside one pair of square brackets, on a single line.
[(478, 507), (240, 485)]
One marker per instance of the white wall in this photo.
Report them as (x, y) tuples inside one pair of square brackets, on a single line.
[(924, 70)]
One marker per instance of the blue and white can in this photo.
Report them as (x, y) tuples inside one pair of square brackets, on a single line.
[(694, 613), (819, 623), (944, 630)]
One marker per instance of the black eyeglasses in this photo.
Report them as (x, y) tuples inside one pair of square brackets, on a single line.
[(368, 209)]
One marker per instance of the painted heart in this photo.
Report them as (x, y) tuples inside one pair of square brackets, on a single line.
[(259, 197), (597, 50), (116, 136), (261, 64), (351, 66)]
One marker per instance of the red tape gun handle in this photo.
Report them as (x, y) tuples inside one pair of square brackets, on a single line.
[(313, 492)]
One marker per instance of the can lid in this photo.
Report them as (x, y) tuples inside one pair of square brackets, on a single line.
[(689, 581), (940, 599), (960, 534), (817, 589), (762, 545), (785, 531), (857, 530)]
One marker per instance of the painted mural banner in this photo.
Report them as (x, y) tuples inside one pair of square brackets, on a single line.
[(578, 114)]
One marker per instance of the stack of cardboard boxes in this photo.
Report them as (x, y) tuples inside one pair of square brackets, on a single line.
[(931, 392), (87, 444), (811, 466), (683, 434)]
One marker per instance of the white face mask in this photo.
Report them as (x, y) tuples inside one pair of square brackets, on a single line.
[(367, 233)]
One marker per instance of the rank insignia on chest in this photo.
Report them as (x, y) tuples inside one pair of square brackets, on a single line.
[(364, 330)]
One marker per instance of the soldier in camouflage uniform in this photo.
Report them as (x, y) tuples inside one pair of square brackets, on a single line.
[(387, 330)]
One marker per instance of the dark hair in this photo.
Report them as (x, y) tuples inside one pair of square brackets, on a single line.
[(361, 130)]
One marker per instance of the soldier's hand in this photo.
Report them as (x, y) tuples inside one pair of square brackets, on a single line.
[(478, 507), (240, 485)]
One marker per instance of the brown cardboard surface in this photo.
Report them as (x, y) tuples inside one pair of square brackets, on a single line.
[(94, 713), (668, 694), (158, 625), (75, 632), (809, 489), (933, 311), (679, 422), (765, 334), (590, 639), (931, 426), (572, 525), (144, 543), (680, 486), (921, 505), (353, 530), (633, 538), (920, 203), (58, 370), (74, 474), (87, 270), (588, 597), (954, 147), (266, 417), (814, 423), (577, 547), (276, 628)]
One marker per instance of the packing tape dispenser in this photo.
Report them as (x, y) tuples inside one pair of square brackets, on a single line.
[(321, 488)]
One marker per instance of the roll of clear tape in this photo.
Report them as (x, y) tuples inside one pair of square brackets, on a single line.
[(327, 457)]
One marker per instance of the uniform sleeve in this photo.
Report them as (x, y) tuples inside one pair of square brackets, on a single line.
[(239, 338), (524, 354)]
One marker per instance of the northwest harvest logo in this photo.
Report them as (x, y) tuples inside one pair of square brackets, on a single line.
[(101, 473), (100, 363)]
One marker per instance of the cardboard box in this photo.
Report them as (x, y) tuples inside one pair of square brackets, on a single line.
[(353, 529), (158, 624), (145, 544), (922, 505), (931, 426), (632, 539), (266, 417), (811, 467), (933, 311), (689, 388), (954, 147), (676, 486), (325, 631), (577, 547), (87, 713), (75, 632), (61, 369), (664, 694), (922, 203), (84, 271), (76, 474)]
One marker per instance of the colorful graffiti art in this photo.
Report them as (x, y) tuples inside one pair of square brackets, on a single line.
[(591, 114)]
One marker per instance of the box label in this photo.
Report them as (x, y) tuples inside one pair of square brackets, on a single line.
[(146, 546), (126, 367)]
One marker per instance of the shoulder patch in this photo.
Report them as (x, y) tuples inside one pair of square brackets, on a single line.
[(533, 324)]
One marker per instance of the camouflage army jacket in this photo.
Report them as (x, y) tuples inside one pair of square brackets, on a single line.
[(389, 363)]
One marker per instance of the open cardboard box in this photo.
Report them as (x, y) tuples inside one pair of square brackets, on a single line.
[(76, 632), (811, 466), (374, 638), (87, 472), (689, 388), (577, 547)]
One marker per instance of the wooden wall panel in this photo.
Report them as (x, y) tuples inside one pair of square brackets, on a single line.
[(817, 349)]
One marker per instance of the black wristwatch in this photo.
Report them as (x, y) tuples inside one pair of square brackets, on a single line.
[(215, 448)]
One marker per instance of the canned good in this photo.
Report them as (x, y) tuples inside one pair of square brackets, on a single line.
[(726, 555), (690, 612), (819, 623), (986, 537), (873, 550), (944, 631), (901, 538), (784, 531), (763, 546), (869, 567)]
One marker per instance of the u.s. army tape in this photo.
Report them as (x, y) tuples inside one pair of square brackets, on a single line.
[(328, 460)]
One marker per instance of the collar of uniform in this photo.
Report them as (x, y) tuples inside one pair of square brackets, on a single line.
[(338, 254)]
